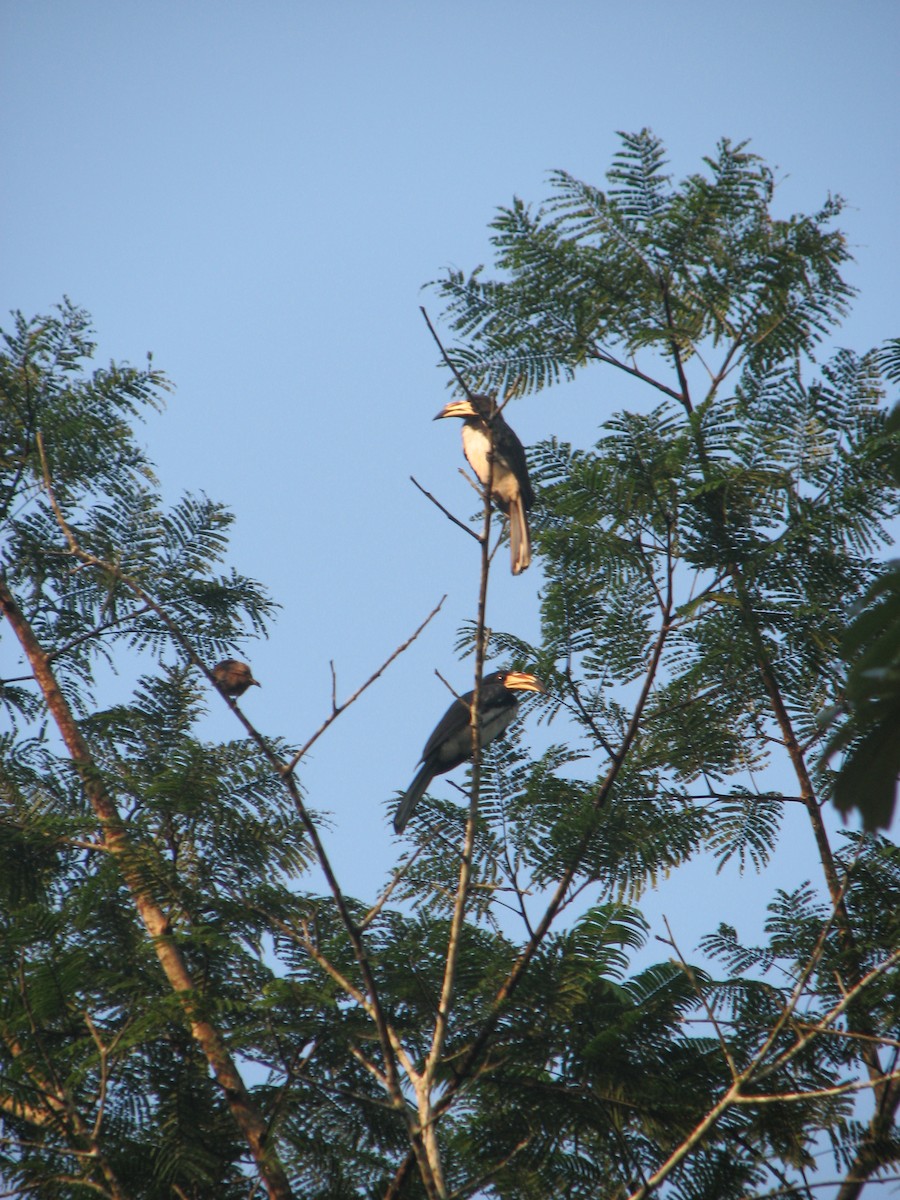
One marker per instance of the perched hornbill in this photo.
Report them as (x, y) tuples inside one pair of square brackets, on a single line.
[(233, 677), (451, 742), (510, 486)]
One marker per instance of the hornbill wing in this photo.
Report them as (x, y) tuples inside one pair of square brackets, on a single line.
[(450, 743), (508, 447), (451, 724)]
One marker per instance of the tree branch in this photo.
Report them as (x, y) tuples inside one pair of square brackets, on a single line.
[(449, 515), (444, 355), (425, 1094), (337, 709)]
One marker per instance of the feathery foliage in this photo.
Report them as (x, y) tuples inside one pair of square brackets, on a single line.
[(181, 1011), (701, 562)]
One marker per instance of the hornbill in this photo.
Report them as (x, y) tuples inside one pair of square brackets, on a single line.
[(451, 742), (233, 677), (483, 424)]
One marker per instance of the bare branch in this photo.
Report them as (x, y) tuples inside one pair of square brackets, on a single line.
[(839, 1089), (604, 356), (388, 891), (337, 709), (701, 995), (102, 1054), (444, 355), (818, 1184), (449, 515)]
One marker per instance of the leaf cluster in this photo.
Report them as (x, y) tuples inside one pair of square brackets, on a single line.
[(701, 561), (68, 428)]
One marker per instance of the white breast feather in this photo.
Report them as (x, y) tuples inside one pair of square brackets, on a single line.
[(504, 484), (475, 448)]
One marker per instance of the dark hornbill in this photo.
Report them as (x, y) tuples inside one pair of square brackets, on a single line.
[(451, 742), (510, 487), (233, 677)]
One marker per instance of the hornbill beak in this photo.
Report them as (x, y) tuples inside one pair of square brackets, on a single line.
[(461, 407), (521, 681)]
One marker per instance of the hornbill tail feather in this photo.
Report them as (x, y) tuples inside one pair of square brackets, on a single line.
[(412, 796), (519, 538)]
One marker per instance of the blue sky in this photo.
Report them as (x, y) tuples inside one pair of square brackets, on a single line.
[(257, 194)]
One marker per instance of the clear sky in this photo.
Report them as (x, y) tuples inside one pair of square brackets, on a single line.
[(257, 193)]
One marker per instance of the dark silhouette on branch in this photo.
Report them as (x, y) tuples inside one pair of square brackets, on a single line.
[(234, 677), (451, 742)]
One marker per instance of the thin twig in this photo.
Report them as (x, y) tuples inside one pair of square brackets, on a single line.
[(444, 355), (368, 1066), (337, 709), (386, 894), (400, 1175), (369, 1005), (456, 521), (475, 1186), (102, 1052), (456, 696), (788, 1189), (839, 1089), (711, 1016), (604, 356)]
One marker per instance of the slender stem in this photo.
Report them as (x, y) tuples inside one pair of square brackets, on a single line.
[(449, 515), (701, 996), (379, 904), (690, 1142), (396, 1184), (839, 1089), (337, 709), (603, 356), (466, 857), (685, 397), (444, 355)]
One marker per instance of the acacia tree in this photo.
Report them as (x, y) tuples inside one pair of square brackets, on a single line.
[(179, 1014), (715, 541)]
